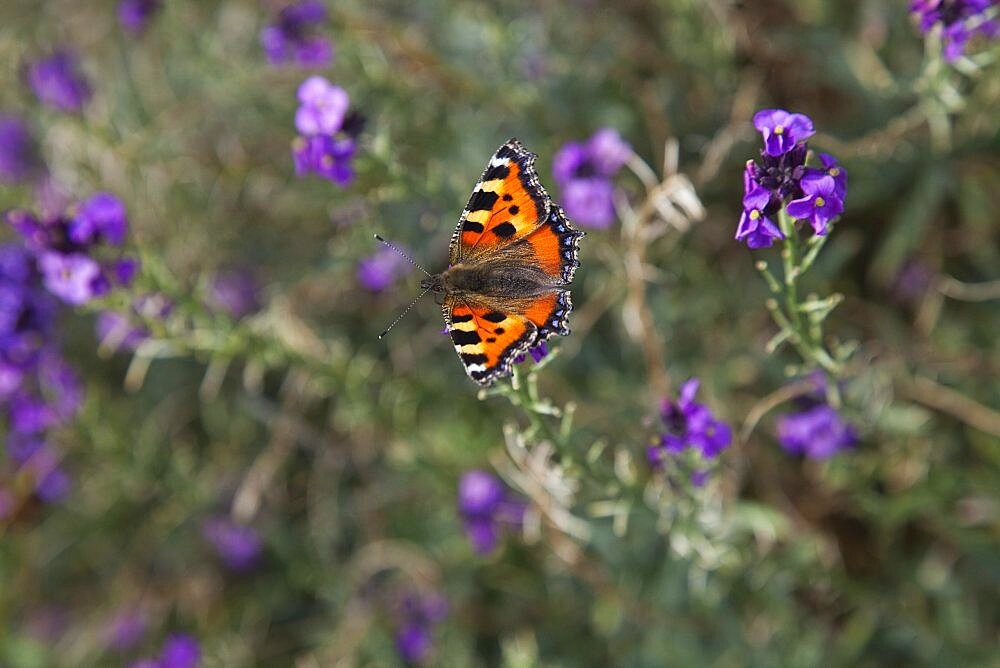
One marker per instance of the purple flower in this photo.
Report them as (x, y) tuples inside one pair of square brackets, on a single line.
[(125, 270), (584, 171), (378, 271), (329, 133), (65, 248), (235, 292), (537, 353), (782, 130), (483, 533), (291, 37), (72, 277), (816, 195), (689, 425), (571, 162), (101, 217), (325, 156), (755, 227), (323, 107), (15, 263), (820, 204), (413, 642), (135, 15), (38, 390), (839, 175), (52, 485), (479, 493), (179, 651), (590, 201), (818, 432), (607, 151), (780, 174), (11, 378), (39, 236), (960, 20), (418, 614), (18, 158), (12, 298), (58, 82), (238, 546), (485, 508), (29, 414)]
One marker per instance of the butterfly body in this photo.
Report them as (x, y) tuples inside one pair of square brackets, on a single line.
[(512, 256), (496, 280)]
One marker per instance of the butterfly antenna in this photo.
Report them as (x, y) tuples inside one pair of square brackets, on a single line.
[(405, 311), (404, 256)]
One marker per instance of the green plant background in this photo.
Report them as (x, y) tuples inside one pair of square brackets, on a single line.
[(885, 555)]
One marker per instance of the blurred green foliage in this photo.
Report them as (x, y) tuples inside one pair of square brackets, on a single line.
[(344, 452)]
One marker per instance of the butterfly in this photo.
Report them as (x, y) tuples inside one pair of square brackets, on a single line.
[(511, 259)]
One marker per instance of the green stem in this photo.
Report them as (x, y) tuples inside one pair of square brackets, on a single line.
[(806, 339), (526, 396), (789, 258)]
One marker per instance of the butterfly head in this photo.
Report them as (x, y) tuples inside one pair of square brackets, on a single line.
[(433, 283)]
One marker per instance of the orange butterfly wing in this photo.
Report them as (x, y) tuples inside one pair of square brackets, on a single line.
[(507, 204), (486, 340)]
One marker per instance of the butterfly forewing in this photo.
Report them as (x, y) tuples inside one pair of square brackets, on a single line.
[(507, 204)]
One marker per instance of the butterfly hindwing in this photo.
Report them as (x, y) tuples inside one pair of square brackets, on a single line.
[(486, 339), (507, 204), (550, 314)]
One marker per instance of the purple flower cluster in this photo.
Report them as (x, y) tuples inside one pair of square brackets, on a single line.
[(292, 38), (237, 545), (135, 15), (179, 651), (817, 432), (689, 425), (486, 507), (18, 155), (781, 179), (38, 390), (584, 172), (959, 21), (58, 82), (63, 247), (418, 614), (327, 140), (379, 270)]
